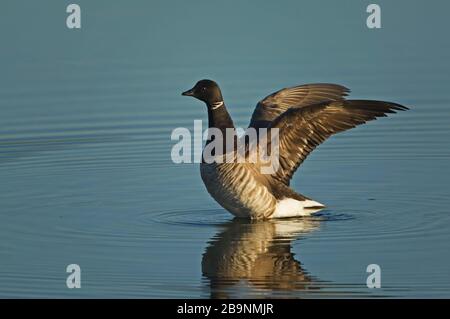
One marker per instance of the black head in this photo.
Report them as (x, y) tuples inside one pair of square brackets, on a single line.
[(205, 90)]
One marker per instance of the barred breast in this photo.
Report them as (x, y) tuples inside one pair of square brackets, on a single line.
[(237, 188)]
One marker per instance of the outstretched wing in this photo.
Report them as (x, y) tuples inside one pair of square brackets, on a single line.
[(277, 103), (301, 130)]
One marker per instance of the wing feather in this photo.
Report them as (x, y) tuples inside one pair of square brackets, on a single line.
[(277, 103), (301, 130)]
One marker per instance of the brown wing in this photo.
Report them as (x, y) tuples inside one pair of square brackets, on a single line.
[(277, 103), (301, 130)]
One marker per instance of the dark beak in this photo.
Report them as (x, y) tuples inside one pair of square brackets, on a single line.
[(188, 93)]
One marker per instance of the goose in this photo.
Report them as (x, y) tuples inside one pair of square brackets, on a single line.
[(305, 116)]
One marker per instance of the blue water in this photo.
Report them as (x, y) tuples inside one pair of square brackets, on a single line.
[(86, 175)]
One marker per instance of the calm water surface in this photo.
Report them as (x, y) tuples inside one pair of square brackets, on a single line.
[(86, 174)]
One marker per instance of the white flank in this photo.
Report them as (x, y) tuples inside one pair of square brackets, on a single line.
[(290, 207)]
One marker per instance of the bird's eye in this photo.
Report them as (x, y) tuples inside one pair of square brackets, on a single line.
[(204, 88)]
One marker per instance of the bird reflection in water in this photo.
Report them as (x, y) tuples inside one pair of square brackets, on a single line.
[(255, 258)]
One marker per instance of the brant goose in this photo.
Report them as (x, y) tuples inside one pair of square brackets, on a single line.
[(305, 117)]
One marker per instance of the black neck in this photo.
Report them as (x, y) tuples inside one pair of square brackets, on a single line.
[(218, 117)]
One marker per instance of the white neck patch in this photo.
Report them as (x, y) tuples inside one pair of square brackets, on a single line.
[(216, 105)]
